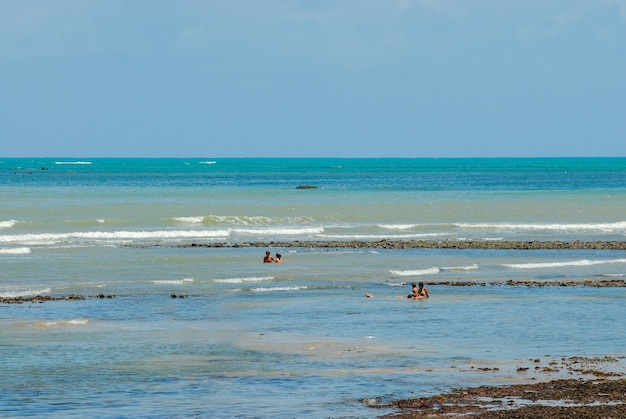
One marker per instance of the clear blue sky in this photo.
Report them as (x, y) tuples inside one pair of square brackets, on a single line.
[(308, 78)]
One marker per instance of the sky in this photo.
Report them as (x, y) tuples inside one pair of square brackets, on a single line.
[(312, 78)]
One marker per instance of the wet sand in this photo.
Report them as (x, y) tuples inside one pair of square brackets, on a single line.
[(596, 393)]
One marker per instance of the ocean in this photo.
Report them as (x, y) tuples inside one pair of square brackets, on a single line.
[(193, 324)]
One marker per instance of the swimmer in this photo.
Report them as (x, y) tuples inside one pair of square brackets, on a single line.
[(418, 293)]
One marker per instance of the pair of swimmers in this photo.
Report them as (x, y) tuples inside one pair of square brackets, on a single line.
[(269, 259), (418, 293)]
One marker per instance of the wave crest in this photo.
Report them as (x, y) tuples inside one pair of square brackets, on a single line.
[(242, 280), (416, 272), (8, 223), (581, 262), (25, 293), (15, 251)]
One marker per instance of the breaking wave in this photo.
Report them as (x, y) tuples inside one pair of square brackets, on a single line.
[(581, 262)]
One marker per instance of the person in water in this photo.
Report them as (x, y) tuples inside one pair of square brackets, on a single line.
[(418, 292), (268, 257), (422, 292), (278, 258)]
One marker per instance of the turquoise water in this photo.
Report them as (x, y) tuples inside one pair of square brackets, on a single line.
[(297, 339)]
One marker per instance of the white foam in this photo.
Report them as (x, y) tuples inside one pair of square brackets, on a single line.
[(72, 162), (7, 224), (416, 272), (381, 236), (115, 236), (46, 324), (603, 227), (173, 281), (263, 289), (460, 268), (281, 231), (207, 162), (190, 220), (15, 251), (582, 262), (398, 226), (396, 284), (25, 293), (78, 321), (242, 280), (74, 322), (238, 220)]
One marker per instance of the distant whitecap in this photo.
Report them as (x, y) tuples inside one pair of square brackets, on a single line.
[(99, 237), (245, 279), (51, 323), (407, 236), (398, 226), (280, 231), (416, 272), (270, 289), (603, 227), (172, 281), (24, 293), (8, 223), (190, 220), (581, 262), (15, 251), (460, 268)]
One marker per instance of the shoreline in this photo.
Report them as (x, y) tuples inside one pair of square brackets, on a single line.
[(426, 244)]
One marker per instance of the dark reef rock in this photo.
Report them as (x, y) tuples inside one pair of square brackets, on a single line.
[(432, 244)]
